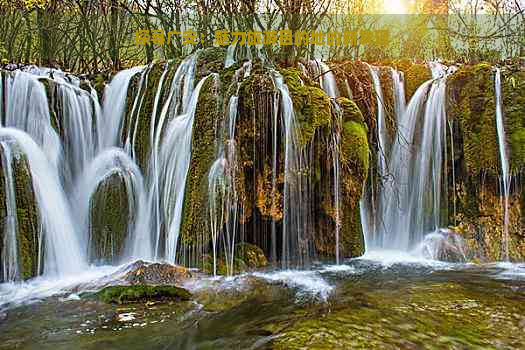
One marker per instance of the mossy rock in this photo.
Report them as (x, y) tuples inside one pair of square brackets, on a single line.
[(513, 103), (138, 119), (252, 255), (350, 110), (414, 75), (194, 227), (27, 217), (142, 293), (141, 272), (312, 106), (472, 104), (110, 217), (247, 257)]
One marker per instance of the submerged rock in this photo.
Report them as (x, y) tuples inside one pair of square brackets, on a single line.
[(138, 293)]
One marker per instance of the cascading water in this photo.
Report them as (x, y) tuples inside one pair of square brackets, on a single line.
[(505, 177), (223, 198), (174, 161), (34, 117), (382, 135), (329, 85), (110, 162), (62, 254), (114, 107), (9, 253), (407, 209), (297, 237)]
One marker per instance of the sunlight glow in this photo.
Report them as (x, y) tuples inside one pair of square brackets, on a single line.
[(394, 7)]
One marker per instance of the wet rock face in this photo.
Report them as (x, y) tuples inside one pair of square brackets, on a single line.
[(27, 226), (110, 210), (475, 200), (141, 272)]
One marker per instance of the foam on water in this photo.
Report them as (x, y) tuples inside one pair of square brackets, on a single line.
[(20, 293), (511, 270), (387, 258), (307, 283)]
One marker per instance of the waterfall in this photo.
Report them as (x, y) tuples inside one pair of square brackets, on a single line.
[(62, 254), (115, 161), (382, 136), (230, 56), (410, 199), (9, 253), (329, 85), (398, 84), (26, 108), (223, 198), (114, 107), (79, 113), (174, 162), (504, 163), (297, 237)]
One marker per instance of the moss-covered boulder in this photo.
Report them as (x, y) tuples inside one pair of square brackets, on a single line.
[(27, 218), (311, 105), (246, 257), (252, 255), (142, 293), (354, 154), (111, 213)]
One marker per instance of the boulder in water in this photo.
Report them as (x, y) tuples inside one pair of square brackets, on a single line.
[(141, 272), (137, 293), (443, 245)]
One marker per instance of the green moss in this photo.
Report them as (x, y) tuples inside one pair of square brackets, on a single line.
[(141, 293), (350, 110), (195, 228), (354, 148), (472, 103), (140, 118), (354, 164), (110, 214), (415, 75), (513, 97), (311, 105), (27, 216), (247, 257), (251, 255)]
